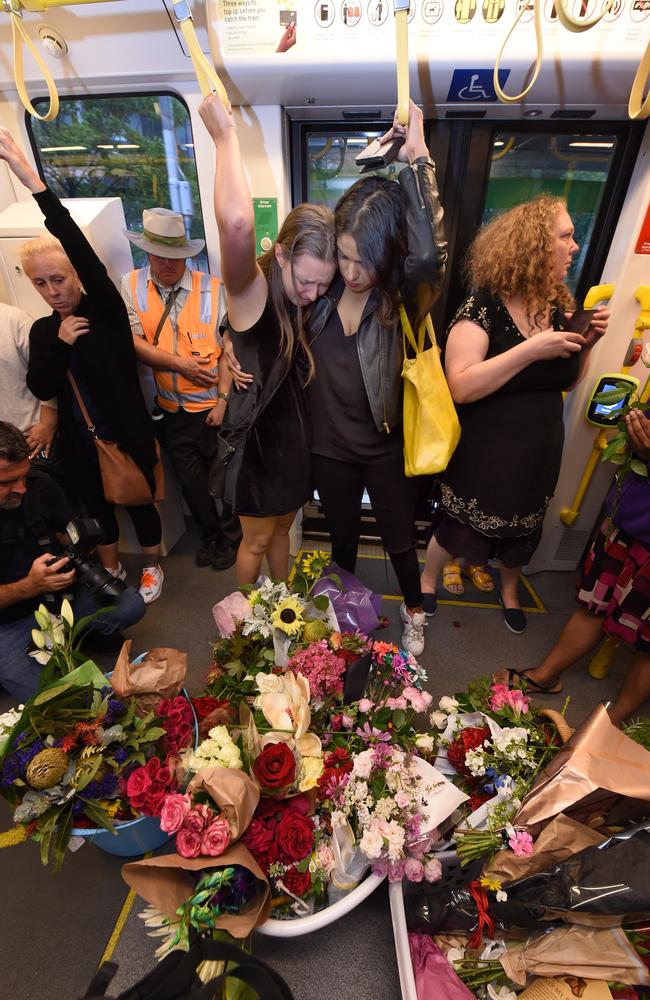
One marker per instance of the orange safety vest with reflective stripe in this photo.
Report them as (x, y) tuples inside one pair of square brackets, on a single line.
[(195, 336)]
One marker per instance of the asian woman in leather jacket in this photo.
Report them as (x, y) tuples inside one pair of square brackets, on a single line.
[(391, 250)]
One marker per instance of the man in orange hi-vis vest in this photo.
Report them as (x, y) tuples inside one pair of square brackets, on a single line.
[(175, 314)]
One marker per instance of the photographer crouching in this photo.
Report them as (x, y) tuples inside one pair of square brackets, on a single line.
[(43, 558)]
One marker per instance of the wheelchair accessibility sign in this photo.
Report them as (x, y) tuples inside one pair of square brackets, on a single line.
[(475, 86)]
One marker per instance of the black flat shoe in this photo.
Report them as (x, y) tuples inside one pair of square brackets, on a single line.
[(514, 618), (517, 679)]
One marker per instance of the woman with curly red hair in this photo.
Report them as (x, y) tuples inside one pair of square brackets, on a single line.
[(508, 358)]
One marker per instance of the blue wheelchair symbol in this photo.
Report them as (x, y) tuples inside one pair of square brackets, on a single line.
[(474, 85)]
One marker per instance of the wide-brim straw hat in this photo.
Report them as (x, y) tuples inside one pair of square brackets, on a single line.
[(164, 235)]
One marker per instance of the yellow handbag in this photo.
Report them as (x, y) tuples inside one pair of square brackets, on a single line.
[(431, 427)]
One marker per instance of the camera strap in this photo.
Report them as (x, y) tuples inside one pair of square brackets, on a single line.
[(170, 302)]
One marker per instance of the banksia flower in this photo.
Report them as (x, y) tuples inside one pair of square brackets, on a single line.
[(47, 768)]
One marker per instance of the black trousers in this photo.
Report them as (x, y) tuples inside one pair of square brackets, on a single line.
[(87, 496), (192, 446), (393, 497)]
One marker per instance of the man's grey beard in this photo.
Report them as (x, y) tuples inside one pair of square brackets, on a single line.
[(11, 502)]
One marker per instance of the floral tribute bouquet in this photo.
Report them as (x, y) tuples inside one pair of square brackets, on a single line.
[(66, 759), (493, 744)]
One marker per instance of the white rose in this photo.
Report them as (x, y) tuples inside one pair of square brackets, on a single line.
[(269, 683), (438, 719), (425, 742), (448, 704)]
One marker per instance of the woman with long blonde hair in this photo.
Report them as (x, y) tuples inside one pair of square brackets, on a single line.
[(265, 436), (509, 355)]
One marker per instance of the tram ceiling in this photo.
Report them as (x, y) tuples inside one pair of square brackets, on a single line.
[(342, 64)]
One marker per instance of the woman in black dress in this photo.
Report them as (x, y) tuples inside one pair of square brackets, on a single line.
[(265, 436), (87, 335), (508, 360)]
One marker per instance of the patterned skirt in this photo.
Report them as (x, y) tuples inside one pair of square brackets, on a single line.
[(615, 583)]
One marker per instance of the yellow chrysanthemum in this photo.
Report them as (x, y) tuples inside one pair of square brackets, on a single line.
[(254, 598), (288, 616), (493, 884)]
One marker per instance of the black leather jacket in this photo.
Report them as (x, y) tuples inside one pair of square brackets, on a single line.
[(379, 347)]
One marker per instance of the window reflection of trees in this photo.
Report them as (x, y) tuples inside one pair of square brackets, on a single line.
[(139, 149)]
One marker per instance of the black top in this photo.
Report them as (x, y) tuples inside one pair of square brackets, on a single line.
[(342, 426), (505, 468), (104, 358), (267, 425), (19, 546)]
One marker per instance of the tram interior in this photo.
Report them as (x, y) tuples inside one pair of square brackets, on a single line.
[(128, 130)]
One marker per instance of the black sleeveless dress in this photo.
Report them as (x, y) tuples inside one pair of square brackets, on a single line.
[(505, 469), (266, 429)]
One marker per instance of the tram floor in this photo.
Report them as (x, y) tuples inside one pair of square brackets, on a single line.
[(57, 930)]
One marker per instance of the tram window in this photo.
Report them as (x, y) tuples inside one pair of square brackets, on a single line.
[(138, 148), (330, 163), (575, 167)]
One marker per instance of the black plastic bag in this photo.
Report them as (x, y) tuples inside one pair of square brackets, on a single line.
[(175, 978)]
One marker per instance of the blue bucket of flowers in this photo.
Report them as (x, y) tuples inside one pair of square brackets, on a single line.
[(135, 837)]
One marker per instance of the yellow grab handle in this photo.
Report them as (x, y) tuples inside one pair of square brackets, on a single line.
[(20, 36), (205, 71), (642, 295), (637, 107), (402, 58), (568, 21), (501, 94), (569, 514), (597, 293)]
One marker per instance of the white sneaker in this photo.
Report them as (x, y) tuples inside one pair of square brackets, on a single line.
[(119, 573), (413, 632), (151, 583)]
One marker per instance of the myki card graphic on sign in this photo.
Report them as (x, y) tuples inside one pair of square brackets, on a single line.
[(475, 86)]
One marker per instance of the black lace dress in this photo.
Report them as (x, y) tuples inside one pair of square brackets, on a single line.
[(496, 489)]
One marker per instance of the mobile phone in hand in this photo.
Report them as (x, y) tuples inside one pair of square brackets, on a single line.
[(580, 321)]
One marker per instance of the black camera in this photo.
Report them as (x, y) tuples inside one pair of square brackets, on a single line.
[(85, 535)]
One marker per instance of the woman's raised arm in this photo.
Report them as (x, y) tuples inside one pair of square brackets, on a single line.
[(245, 284)]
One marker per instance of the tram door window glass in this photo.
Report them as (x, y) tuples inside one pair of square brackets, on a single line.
[(330, 163), (139, 149), (574, 167)]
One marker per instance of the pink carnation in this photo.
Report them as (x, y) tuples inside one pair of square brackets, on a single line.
[(433, 870), (400, 702), (188, 843), (174, 810), (521, 843), (365, 705), (413, 870), (216, 838)]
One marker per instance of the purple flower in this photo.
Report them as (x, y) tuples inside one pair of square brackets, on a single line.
[(120, 755), (371, 735)]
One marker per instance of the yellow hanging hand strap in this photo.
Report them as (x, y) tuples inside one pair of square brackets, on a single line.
[(205, 71), (20, 36), (637, 107), (501, 94), (402, 8), (571, 23)]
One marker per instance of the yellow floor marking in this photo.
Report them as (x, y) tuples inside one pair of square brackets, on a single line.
[(119, 927), (539, 608), (12, 837), (119, 924)]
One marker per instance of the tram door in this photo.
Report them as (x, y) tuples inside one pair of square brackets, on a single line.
[(483, 168)]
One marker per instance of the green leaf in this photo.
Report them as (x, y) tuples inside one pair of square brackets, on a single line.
[(399, 718), (337, 581), (611, 396), (98, 815), (321, 602), (639, 467), (615, 445)]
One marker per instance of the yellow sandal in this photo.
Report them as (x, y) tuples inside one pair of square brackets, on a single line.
[(451, 579), (480, 577)]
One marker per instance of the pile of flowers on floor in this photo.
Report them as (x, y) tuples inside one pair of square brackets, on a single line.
[(318, 730), (545, 889)]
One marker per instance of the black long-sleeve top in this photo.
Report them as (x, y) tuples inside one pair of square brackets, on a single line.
[(103, 359)]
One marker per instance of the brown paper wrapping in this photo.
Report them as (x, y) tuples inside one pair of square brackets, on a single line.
[(160, 675), (598, 762), (561, 838), (566, 988), (233, 791), (166, 882), (578, 951)]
